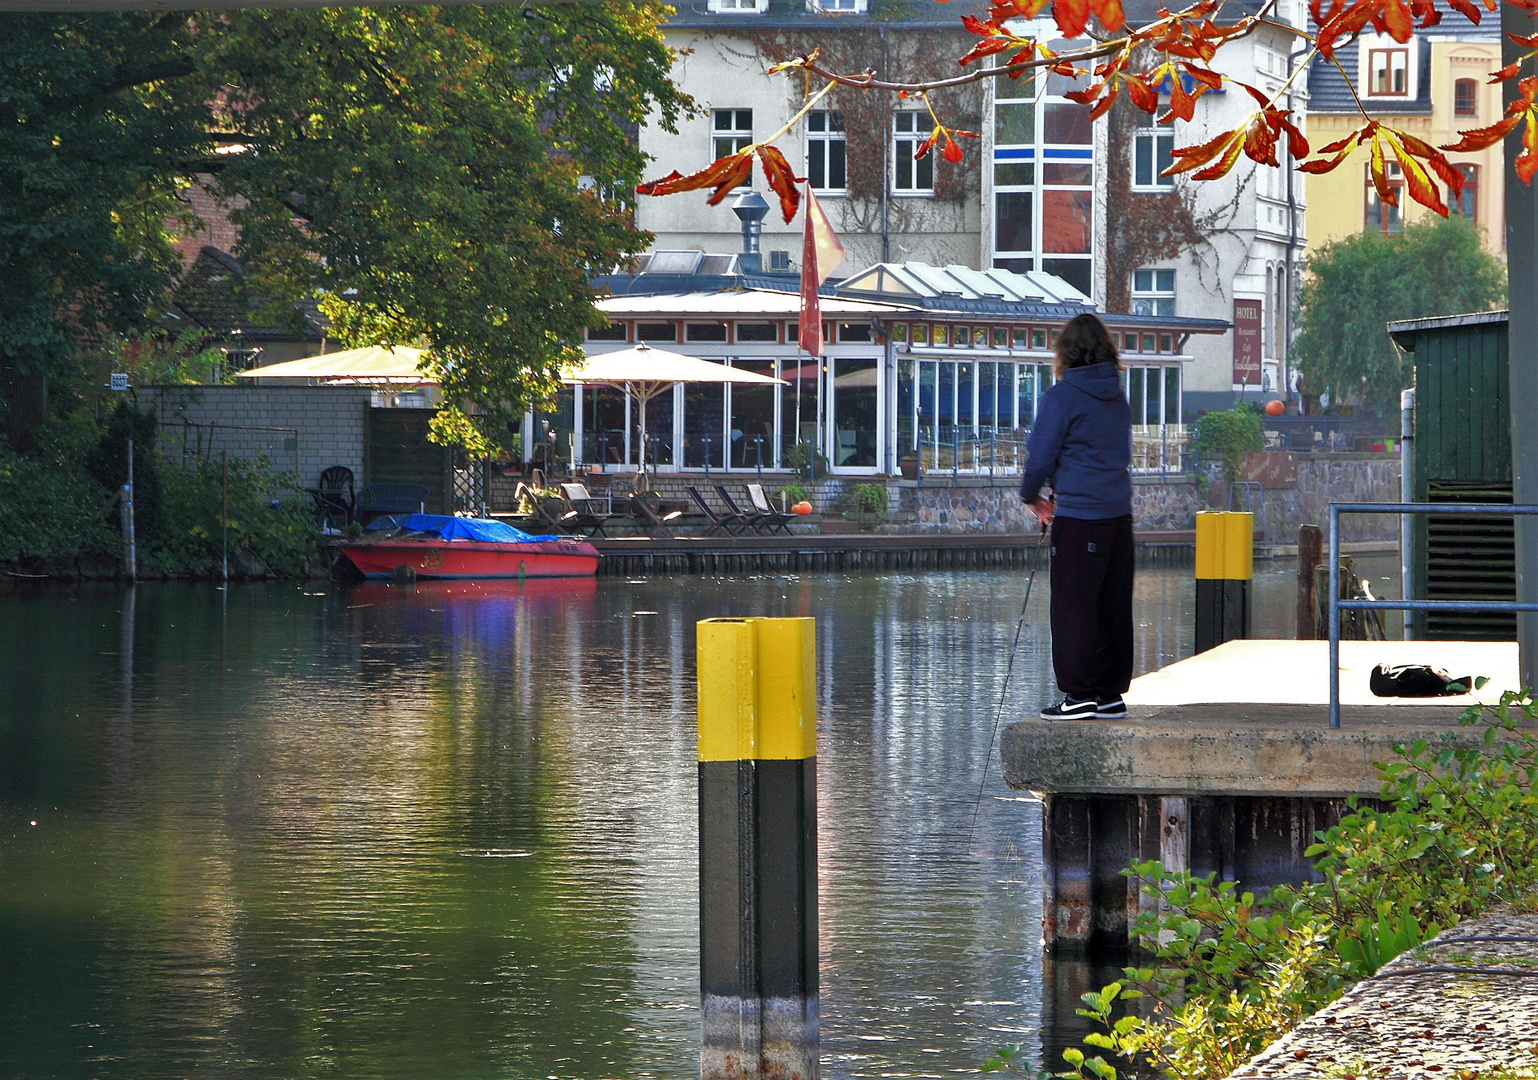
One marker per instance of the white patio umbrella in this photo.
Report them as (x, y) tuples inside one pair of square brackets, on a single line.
[(646, 372), (373, 366)]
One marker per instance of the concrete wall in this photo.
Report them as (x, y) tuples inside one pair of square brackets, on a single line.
[(331, 422)]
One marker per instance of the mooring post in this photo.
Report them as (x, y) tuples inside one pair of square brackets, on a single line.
[(130, 544), (1310, 556), (1225, 565), (758, 848)]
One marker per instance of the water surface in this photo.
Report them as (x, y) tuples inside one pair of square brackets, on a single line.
[(450, 831)]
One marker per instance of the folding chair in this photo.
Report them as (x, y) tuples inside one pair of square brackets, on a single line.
[(751, 521), (776, 519), (730, 523)]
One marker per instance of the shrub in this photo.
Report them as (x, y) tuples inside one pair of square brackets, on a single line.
[(794, 493), (800, 457), (107, 461), (279, 529), (50, 510), (1229, 436), (869, 498)]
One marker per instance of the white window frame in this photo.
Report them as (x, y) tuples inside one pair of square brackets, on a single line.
[(1150, 137), (836, 7), (904, 145), (831, 133), (1153, 291), (725, 141), (738, 7), (1390, 54)]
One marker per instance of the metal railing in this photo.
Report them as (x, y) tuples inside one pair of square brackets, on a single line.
[(1337, 605)]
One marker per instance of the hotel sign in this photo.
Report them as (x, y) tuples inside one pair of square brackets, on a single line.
[(1246, 342)]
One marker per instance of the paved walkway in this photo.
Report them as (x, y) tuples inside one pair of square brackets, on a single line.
[(1465, 1003)]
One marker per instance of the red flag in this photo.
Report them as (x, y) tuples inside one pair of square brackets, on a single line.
[(820, 253)]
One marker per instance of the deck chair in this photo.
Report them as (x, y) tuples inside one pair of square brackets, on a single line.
[(542, 512), (776, 519), (753, 521), (730, 523), (640, 508), (587, 511)]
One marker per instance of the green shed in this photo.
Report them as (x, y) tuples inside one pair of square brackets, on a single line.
[(1461, 453)]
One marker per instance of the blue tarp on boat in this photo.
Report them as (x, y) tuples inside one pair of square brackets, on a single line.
[(484, 530)]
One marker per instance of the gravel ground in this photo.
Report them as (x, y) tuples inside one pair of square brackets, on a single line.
[(1466, 1003)]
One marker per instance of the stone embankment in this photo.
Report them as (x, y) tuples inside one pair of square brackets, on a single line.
[(1463, 1005)]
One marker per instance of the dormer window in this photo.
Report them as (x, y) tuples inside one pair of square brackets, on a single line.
[(738, 7), (1388, 72)]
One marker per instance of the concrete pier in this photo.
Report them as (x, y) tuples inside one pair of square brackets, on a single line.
[(1225, 763)]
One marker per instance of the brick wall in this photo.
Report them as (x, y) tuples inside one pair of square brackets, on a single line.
[(331, 422), (217, 231)]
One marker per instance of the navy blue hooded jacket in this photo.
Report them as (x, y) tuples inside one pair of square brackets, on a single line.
[(1081, 443)]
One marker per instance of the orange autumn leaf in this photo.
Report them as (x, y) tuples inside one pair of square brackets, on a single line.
[(782, 179), (723, 174), (1072, 16)]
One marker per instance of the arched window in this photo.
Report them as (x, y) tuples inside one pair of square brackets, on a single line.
[(1465, 98)]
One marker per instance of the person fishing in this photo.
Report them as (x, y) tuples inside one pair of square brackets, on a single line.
[(1081, 445)]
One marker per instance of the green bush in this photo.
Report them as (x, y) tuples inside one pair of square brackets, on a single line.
[(267, 517), (1456, 834), (869, 498), (1229, 436), (50, 510), (107, 461), (795, 493), (800, 457)]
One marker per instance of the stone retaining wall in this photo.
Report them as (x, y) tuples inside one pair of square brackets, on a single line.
[(964, 504)]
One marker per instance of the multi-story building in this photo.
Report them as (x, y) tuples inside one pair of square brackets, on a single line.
[(1045, 189), (1430, 87)]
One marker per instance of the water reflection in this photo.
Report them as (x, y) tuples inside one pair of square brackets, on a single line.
[(451, 830)]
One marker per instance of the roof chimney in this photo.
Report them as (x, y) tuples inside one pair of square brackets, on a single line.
[(750, 209)]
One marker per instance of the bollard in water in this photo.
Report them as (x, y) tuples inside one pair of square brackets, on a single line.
[(1225, 552), (758, 848)]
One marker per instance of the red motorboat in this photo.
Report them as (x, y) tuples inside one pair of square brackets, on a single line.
[(434, 546)]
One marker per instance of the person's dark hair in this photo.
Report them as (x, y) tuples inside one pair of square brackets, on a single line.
[(1084, 341)]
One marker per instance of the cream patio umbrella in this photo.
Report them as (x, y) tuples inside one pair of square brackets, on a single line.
[(375, 365), (646, 372)]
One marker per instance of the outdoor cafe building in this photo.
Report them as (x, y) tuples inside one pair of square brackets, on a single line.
[(923, 368)]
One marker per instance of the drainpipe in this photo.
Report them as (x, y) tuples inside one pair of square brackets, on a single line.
[(1292, 241), (1406, 494), (886, 161)]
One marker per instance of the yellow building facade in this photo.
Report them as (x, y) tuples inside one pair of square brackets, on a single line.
[(1432, 87)]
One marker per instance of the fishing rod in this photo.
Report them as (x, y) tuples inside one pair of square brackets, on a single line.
[(1004, 691)]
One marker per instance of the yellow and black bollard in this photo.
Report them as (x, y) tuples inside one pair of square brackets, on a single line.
[(1225, 565), (758, 848)]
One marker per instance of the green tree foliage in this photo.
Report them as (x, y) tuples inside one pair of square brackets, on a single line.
[(1356, 285), (101, 121), (447, 176), (453, 176)]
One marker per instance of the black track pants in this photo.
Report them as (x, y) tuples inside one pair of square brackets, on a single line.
[(1092, 606)]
